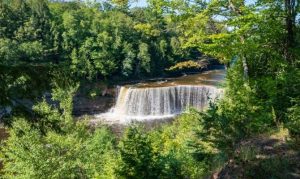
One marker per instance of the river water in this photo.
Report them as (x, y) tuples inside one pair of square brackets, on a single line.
[(164, 99)]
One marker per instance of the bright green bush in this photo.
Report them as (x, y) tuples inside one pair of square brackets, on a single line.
[(78, 153), (139, 159), (185, 66), (137, 156), (181, 143)]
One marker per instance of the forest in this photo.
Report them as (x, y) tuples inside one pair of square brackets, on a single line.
[(50, 50)]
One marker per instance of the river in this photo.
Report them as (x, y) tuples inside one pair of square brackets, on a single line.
[(164, 99)]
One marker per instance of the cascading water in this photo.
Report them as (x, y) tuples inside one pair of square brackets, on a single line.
[(164, 99), (159, 102)]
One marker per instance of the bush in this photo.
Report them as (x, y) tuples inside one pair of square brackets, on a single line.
[(180, 143), (139, 159), (294, 121), (186, 66), (78, 153), (55, 146)]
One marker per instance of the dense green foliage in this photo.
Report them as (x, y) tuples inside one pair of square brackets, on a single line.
[(87, 41), (53, 46), (57, 147), (77, 151), (95, 40)]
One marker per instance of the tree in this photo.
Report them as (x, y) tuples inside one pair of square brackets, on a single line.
[(130, 55), (137, 157), (144, 58)]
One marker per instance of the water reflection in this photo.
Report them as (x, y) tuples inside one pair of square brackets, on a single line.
[(211, 78)]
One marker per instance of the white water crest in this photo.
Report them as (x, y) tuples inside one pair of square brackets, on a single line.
[(134, 103)]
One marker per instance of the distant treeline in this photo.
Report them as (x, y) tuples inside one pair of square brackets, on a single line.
[(42, 41), (93, 40)]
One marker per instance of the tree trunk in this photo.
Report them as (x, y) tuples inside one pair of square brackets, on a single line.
[(291, 7), (242, 38), (244, 60), (245, 67)]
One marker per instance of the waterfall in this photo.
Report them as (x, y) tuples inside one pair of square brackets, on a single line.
[(160, 102)]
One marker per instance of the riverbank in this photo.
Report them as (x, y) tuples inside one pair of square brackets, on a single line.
[(268, 155), (167, 77)]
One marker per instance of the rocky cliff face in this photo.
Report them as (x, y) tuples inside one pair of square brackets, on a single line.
[(88, 106)]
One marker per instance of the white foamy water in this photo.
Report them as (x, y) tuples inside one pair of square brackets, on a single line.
[(164, 99), (151, 103)]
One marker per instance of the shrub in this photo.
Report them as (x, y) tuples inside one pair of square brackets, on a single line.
[(78, 153), (294, 121), (138, 159), (180, 143), (186, 66)]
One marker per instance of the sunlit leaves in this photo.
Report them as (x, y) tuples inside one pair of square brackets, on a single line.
[(79, 153), (147, 29), (130, 55), (144, 57), (9, 53)]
